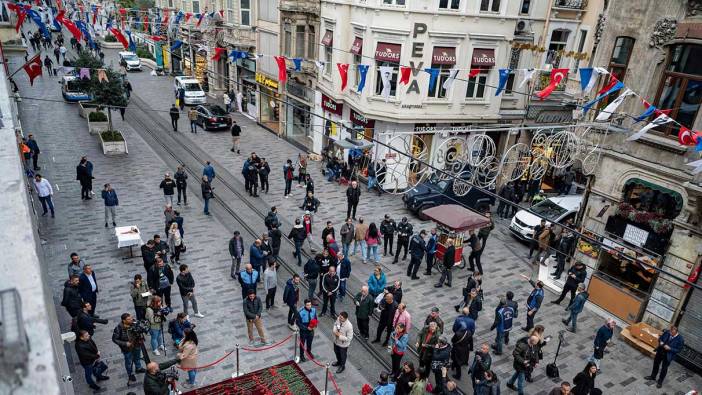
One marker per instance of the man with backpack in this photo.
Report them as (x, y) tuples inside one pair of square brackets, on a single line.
[(272, 219)]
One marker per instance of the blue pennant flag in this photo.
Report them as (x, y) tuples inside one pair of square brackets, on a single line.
[(84, 29), (585, 75), (37, 19), (433, 74), (234, 55), (504, 75), (698, 147), (55, 22), (619, 85), (178, 17), (177, 44), (649, 111), (362, 71), (298, 64), (132, 44)]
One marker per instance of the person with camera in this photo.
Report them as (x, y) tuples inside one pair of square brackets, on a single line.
[(440, 359), (157, 382), (89, 358), (160, 278), (187, 354), (129, 340), (526, 356), (137, 290), (156, 315), (86, 322), (178, 326), (252, 311)]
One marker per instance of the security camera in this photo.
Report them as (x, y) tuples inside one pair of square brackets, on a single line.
[(67, 379)]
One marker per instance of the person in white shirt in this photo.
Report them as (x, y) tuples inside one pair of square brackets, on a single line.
[(44, 191), (343, 333)]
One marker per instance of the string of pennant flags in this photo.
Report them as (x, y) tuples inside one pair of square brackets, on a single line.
[(589, 77)]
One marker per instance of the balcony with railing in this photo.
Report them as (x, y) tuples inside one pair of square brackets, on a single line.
[(570, 4), (238, 36), (544, 78), (302, 6)]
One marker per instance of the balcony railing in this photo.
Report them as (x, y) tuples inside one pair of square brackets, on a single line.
[(572, 4), (306, 6), (545, 77)]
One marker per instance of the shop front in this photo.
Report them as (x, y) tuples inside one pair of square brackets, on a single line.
[(297, 126), (246, 87), (331, 116), (269, 103)]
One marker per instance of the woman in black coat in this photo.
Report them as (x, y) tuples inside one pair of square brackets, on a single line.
[(404, 380), (206, 193), (585, 380), (462, 345), (440, 359)]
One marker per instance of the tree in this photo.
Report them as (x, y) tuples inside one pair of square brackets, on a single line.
[(108, 93)]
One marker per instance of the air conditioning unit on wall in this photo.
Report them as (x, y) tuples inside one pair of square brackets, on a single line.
[(523, 27)]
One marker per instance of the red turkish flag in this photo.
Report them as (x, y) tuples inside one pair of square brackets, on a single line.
[(69, 25), (685, 136), (473, 73), (188, 15), (218, 53), (120, 37), (344, 73), (282, 68), (33, 68), (21, 14), (405, 73), (557, 75)]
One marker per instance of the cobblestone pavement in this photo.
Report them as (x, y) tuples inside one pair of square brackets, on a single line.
[(79, 226), (503, 260)]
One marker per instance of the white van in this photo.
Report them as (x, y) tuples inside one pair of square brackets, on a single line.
[(193, 91), (557, 209), (130, 61)]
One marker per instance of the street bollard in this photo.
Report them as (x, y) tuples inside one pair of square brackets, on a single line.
[(237, 360), (295, 344), (326, 380)]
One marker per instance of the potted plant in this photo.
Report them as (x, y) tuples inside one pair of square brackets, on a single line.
[(106, 94), (113, 143), (97, 122), (85, 109)]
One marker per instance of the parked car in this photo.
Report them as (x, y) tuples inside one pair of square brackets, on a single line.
[(70, 91), (129, 60), (436, 192), (193, 91), (556, 209), (212, 116)]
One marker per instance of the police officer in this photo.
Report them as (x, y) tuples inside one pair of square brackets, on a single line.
[(417, 248), (387, 228), (503, 323), (432, 243), (404, 231)]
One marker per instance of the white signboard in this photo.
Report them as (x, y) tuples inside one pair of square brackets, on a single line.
[(635, 236)]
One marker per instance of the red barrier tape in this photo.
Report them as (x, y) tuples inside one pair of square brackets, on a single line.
[(232, 351), (336, 386), (329, 373)]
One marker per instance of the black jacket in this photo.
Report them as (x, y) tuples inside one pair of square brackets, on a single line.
[(148, 255), (387, 311), (584, 384), (175, 114), (326, 231), (87, 322), (404, 229), (275, 236), (72, 300), (297, 233), (120, 337), (152, 277), (168, 186), (417, 247), (252, 308), (353, 194), (310, 204), (186, 283), (156, 384), (578, 276), (388, 227), (396, 293), (330, 283), (311, 269), (181, 179), (87, 352), (206, 190)]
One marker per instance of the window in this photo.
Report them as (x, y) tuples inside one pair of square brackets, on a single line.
[(681, 85), (524, 9), (357, 59), (311, 42), (300, 41), (621, 54), (449, 4), (490, 5), (230, 11), (196, 6), (4, 17), (287, 40), (327, 60), (514, 56), (245, 9), (439, 92), (558, 43), (379, 79), (581, 47), (394, 2), (267, 10), (476, 85)]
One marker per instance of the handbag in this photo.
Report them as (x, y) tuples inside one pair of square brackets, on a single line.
[(599, 353), (183, 248)]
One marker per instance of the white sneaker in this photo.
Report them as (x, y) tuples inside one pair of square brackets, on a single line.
[(198, 315), (156, 352), (163, 347)]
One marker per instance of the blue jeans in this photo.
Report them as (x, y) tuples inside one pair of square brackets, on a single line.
[(156, 339), (89, 374), (312, 286), (193, 126), (372, 181), (342, 291), (191, 376), (519, 377), (298, 252), (499, 340), (132, 357), (46, 200), (374, 251), (207, 206), (573, 320), (363, 248), (345, 248)]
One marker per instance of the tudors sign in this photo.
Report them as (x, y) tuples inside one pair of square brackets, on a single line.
[(360, 120), (331, 106)]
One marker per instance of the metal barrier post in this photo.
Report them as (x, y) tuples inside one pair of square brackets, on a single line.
[(326, 380), (295, 344), (237, 359)]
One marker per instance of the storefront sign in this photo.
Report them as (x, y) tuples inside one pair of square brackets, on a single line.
[(443, 56), (357, 46), (423, 128), (265, 81), (483, 57), (550, 114), (331, 106), (386, 52), (635, 236), (360, 120)]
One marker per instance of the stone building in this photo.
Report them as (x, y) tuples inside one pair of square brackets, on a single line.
[(645, 200)]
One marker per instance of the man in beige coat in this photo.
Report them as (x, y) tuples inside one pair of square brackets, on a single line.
[(360, 238), (343, 333)]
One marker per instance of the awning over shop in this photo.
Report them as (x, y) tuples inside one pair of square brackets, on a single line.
[(652, 186), (328, 38), (444, 56), (483, 57), (357, 46), (349, 143), (386, 52)]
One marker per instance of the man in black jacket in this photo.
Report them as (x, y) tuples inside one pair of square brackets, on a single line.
[(160, 278), (387, 307), (127, 344), (186, 286), (311, 271), (396, 290), (449, 261), (168, 186), (328, 230), (155, 382), (175, 114), (563, 252), (275, 236), (263, 171), (252, 311), (353, 195), (87, 286), (298, 235), (72, 300), (387, 228), (181, 178), (576, 275), (148, 254), (417, 248), (89, 358), (161, 248), (404, 231), (86, 322), (330, 284)]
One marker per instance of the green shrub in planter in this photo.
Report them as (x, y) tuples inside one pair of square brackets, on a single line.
[(110, 39), (97, 116), (112, 135)]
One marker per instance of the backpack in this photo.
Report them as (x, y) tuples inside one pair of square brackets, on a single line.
[(171, 326)]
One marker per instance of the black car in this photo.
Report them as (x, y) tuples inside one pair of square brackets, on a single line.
[(436, 192), (212, 117)]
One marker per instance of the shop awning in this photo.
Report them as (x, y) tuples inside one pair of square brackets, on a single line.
[(652, 186), (349, 143), (357, 46), (444, 56), (386, 52), (483, 57), (328, 38)]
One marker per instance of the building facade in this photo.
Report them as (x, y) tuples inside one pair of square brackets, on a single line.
[(645, 202)]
